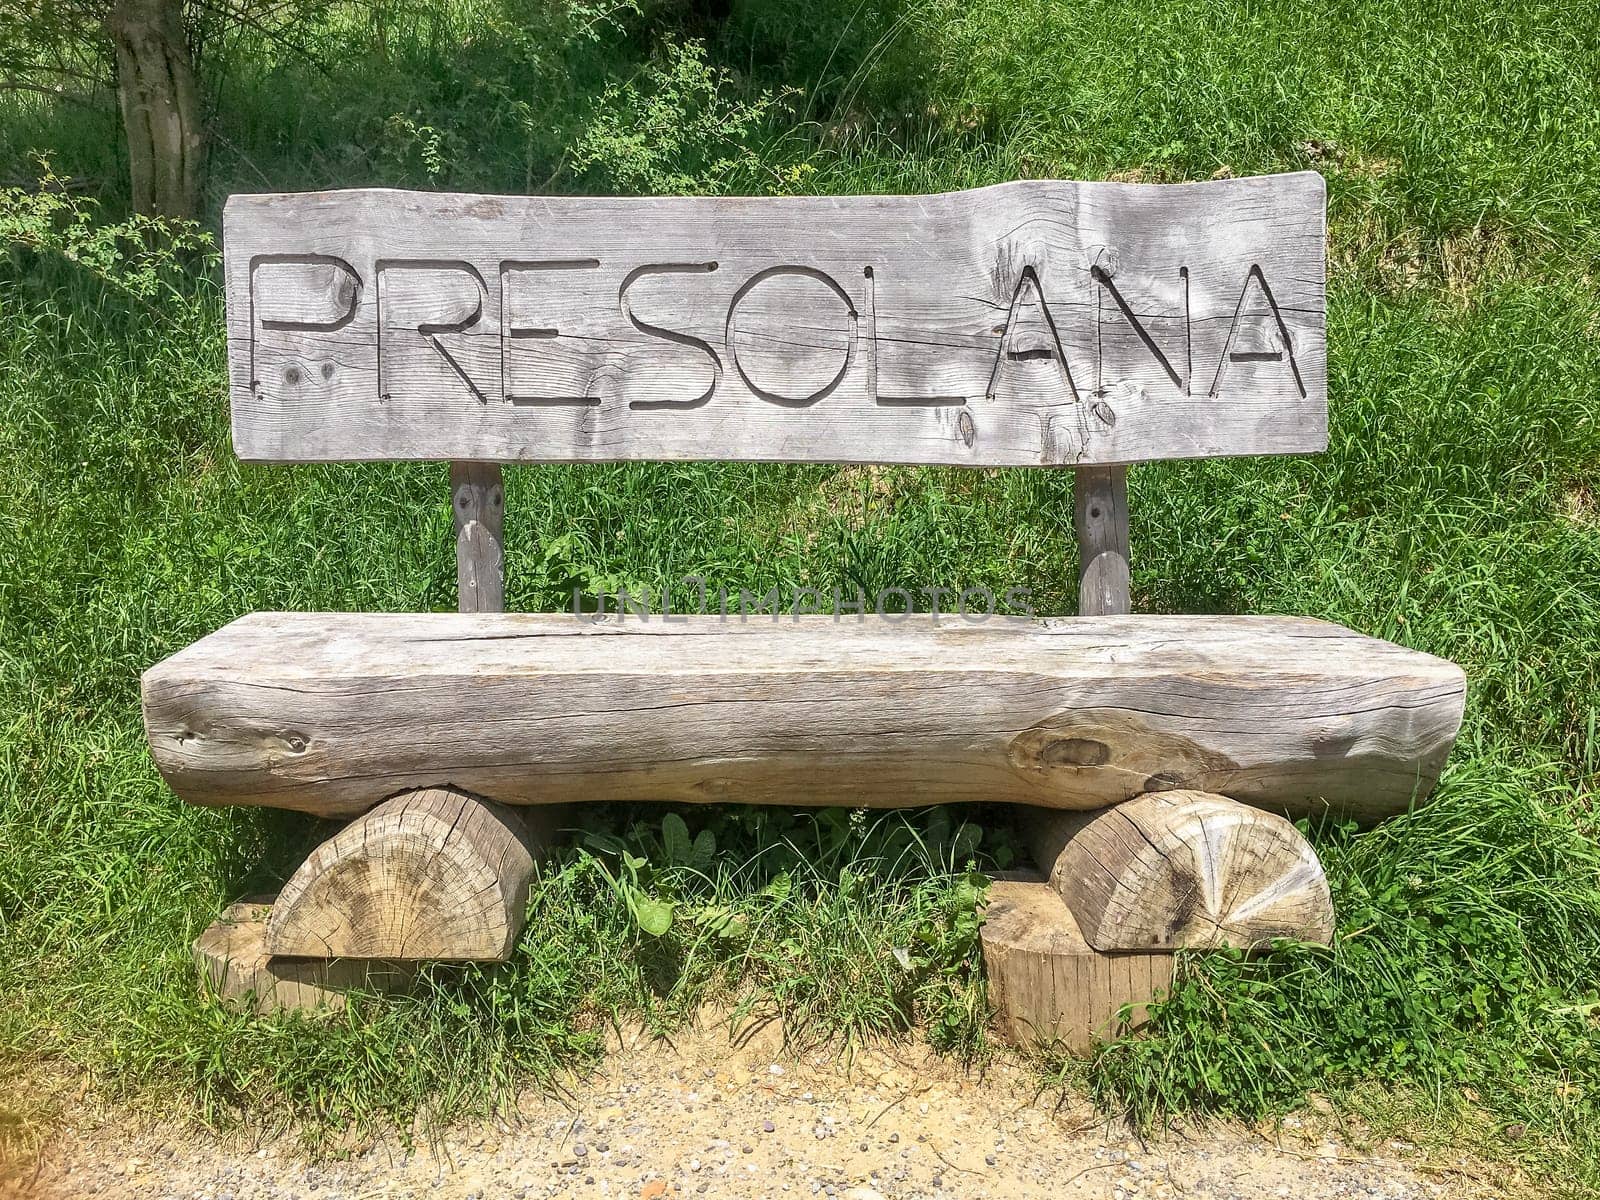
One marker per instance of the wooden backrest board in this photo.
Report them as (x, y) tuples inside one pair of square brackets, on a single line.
[(1033, 323)]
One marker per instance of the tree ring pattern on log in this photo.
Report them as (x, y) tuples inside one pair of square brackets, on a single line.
[(430, 874), (1186, 869)]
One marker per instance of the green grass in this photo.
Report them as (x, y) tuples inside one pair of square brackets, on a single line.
[(1457, 511)]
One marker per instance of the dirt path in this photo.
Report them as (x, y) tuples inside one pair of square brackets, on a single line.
[(707, 1118)]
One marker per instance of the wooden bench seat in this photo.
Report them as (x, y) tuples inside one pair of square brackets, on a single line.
[(330, 713)]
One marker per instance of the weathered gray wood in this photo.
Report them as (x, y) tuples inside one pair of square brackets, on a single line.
[(328, 712), (433, 874), (478, 503), (1183, 870), (1100, 515), (1049, 986), (236, 968), (1033, 323)]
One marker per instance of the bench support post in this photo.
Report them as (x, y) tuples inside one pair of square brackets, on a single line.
[(237, 969), (429, 874), (1100, 515), (1181, 870), (478, 505), (1049, 987)]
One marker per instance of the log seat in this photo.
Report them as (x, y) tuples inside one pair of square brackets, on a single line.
[(330, 713)]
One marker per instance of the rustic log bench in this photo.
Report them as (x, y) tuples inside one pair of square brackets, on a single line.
[(1049, 324)]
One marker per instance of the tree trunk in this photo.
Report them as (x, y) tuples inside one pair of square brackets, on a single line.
[(160, 106)]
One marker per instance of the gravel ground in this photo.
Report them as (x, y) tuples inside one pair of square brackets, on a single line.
[(706, 1117)]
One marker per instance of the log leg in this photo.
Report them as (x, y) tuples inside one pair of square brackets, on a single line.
[(431, 874), (1048, 986), (237, 970), (1183, 869)]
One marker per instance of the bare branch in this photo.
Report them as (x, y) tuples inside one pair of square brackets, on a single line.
[(12, 67)]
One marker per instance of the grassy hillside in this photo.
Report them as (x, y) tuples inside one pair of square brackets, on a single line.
[(1457, 511)]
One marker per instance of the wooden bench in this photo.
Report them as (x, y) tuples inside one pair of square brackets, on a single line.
[(1045, 324)]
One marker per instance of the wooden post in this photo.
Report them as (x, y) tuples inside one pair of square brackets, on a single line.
[(478, 503), (1049, 986), (1100, 514), (237, 969)]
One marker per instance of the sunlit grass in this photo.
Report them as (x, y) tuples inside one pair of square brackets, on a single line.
[(1456, 512)]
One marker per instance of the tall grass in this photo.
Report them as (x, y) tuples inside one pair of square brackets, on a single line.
[(1457, 511)]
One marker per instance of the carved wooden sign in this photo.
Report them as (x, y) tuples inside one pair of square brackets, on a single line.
[(1032, 323)]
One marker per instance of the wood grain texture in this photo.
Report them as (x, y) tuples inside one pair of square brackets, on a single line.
[(1033, 323), (1100, 516), (478, 506), (1184, 869), (329, 712), (1049, 986), (236, 968), (430, 874)]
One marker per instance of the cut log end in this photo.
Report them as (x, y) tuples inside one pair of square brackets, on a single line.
[(1184, 869), (236, 968), (430, 874)]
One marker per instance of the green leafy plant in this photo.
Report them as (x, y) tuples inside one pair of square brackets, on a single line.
[(147, 258), (676, 129), (632, 884)]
